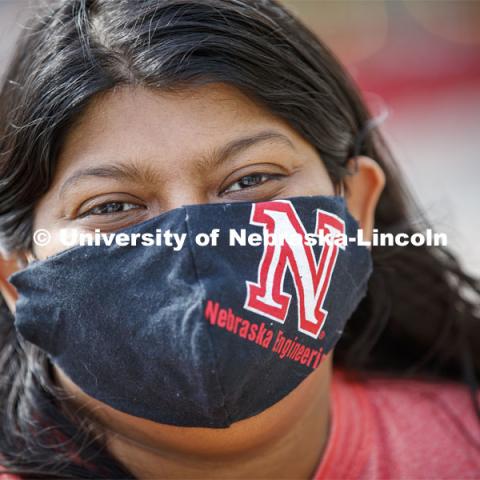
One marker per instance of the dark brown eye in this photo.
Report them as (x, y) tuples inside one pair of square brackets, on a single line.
[(249, 181), (110, 208)]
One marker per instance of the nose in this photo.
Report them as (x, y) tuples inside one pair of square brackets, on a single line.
[(184, 192)]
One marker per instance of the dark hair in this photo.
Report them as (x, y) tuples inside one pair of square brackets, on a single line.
[(415, 320)]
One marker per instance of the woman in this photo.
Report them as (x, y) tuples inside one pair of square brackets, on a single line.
[(114, 116)]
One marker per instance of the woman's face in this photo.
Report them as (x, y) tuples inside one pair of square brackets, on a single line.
[(137, 153)]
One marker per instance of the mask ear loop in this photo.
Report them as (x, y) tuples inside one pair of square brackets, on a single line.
[(340, 189), (29, 258)]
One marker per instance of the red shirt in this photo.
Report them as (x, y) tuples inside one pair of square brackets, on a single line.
[(401, 429)]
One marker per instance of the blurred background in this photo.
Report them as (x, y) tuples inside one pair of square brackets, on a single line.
[(418, 66)]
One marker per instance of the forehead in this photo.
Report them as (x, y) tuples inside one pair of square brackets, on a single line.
[(139, 121)]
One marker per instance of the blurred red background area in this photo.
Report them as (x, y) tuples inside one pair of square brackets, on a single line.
[(399, 48), (418, 66)]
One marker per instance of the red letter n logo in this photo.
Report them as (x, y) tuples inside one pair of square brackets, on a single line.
[(311, 278)]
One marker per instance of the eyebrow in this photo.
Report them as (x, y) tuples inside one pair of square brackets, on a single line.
[(205, 163), (234, 147)]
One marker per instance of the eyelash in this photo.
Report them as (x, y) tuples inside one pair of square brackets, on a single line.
[(106, 204), (270, 176), (98, 208)]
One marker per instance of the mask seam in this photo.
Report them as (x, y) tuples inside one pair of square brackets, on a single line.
[(209, 336)]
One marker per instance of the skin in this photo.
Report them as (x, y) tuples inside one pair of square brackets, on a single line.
[(168, 146)]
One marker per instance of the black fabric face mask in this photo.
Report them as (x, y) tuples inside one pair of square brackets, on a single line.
[(202, 336)]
